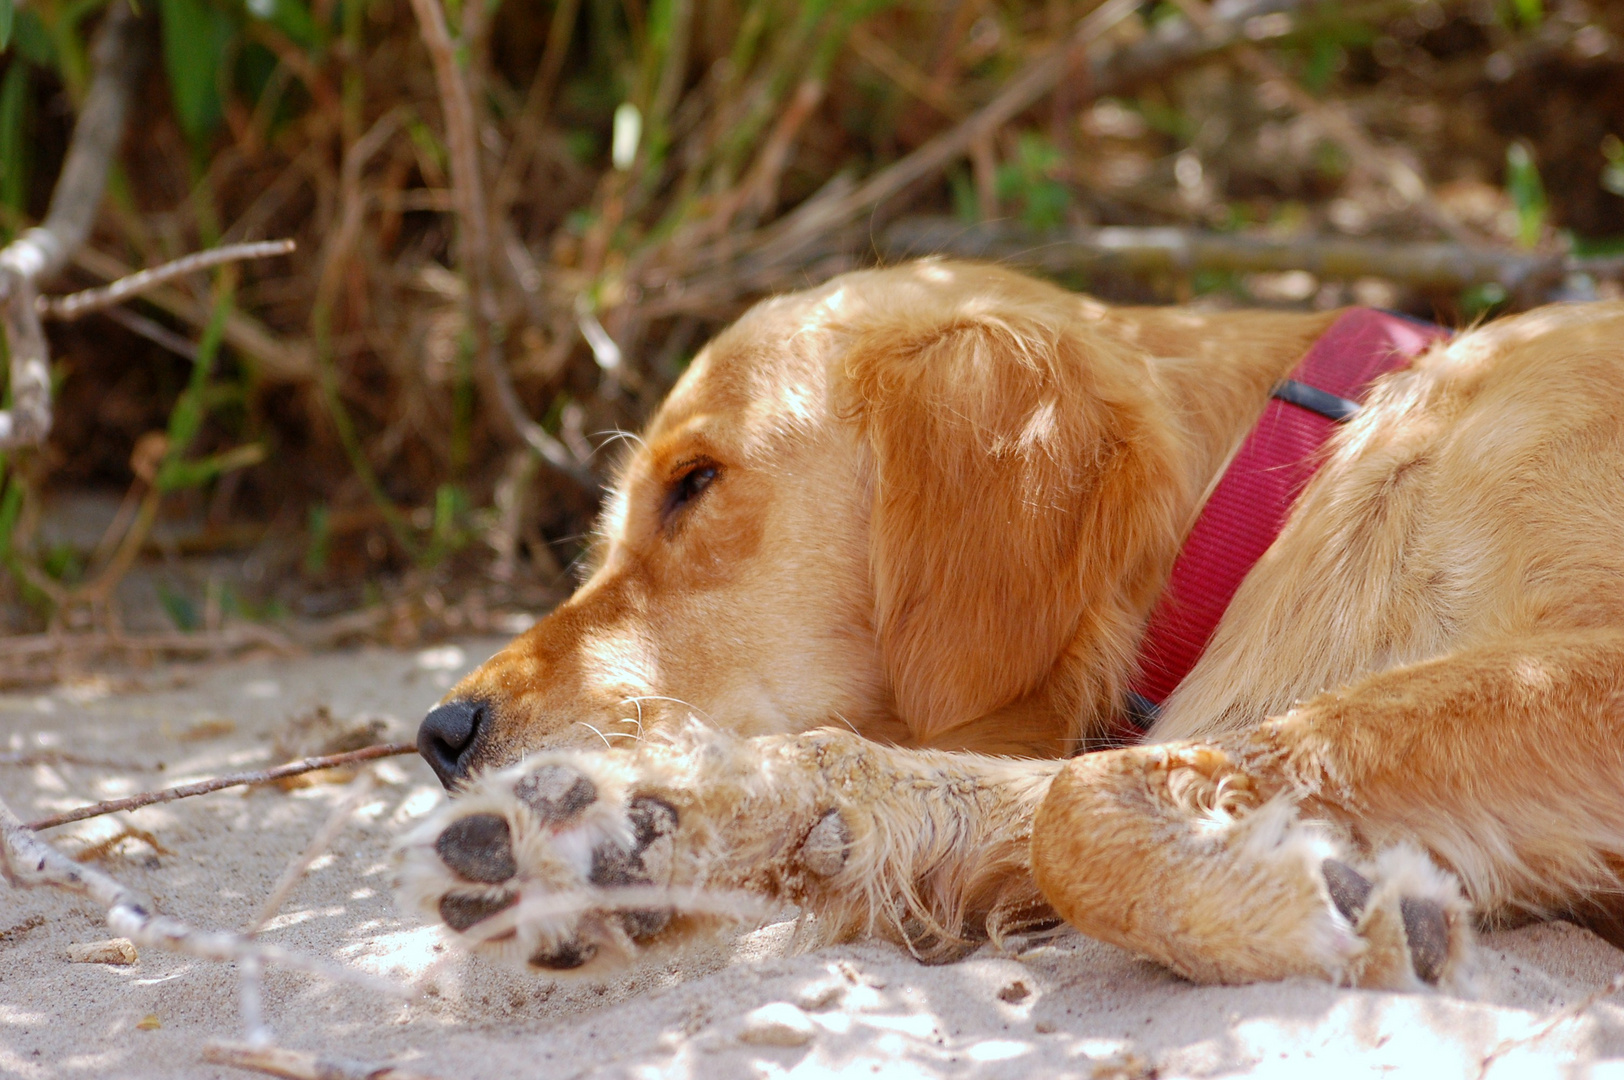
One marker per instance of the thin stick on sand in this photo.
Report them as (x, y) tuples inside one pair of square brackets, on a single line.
[(302, 1065), (219, 783), (1572, 1012), (26, 861)]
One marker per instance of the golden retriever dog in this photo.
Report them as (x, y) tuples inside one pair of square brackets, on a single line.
[(880, 568)]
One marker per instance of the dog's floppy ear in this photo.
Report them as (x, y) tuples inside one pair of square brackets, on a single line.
[(1014, 501)]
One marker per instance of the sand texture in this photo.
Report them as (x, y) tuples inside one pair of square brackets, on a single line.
[(72, 1005)]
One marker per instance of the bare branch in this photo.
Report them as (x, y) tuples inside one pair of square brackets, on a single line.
[(278, 361), (1337, 125), (28, 420), (79, 304), (1019, 94), (1572, 1012), (301, 1064), (40, 252), (474, 245), (29, 646), (154, 332), (27, 861), (1176, 250), (219, 783), (359, 792), (1109, 70)]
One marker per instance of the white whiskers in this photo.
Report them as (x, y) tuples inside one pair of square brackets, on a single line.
[(610, 735), (638, 700)]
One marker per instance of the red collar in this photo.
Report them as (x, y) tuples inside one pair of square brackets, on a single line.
[(1250, 504)]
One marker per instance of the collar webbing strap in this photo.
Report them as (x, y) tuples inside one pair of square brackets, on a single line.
[(1249, 506)]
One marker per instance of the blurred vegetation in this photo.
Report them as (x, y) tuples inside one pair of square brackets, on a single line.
[(319, 429)]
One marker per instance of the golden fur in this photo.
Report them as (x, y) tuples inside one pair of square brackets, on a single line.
[(944, 500)]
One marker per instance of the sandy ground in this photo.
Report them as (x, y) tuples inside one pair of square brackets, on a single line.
[(1076, 1008)]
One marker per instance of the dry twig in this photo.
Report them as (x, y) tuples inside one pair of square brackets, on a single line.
[(28, 861), (42, 251), (1337, 125), (302, 1064), (474, 245), (1572, 1012), (1170, 250), (219, 783), (278, 361), (79, 304), (360, 789), (1019, 94)]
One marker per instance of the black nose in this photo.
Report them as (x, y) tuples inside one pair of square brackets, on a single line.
[(447, 735)]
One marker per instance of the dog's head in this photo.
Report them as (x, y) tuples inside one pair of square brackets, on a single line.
[(892, 502)]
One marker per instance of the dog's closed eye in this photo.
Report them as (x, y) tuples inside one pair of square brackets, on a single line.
[(689, 483)]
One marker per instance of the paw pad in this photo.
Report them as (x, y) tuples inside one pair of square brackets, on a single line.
[(461, 912), (652, 820), (479, 848), (557, 793), (564, 956), (653, 823), (1349, 889), (533, 864), (1426, 928)]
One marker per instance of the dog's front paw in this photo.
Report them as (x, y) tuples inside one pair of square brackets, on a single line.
[(1178, 853), (557, 862), (1410, 915), (581, 860)]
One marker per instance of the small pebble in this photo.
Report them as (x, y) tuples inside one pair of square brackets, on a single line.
[(778, 1024), (1043, 1027), (149, 1022), (820, 996), (1015, 992), (116, 951)]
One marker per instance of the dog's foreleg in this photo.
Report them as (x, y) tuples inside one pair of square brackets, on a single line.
[(928, 847), (1330, 841)]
